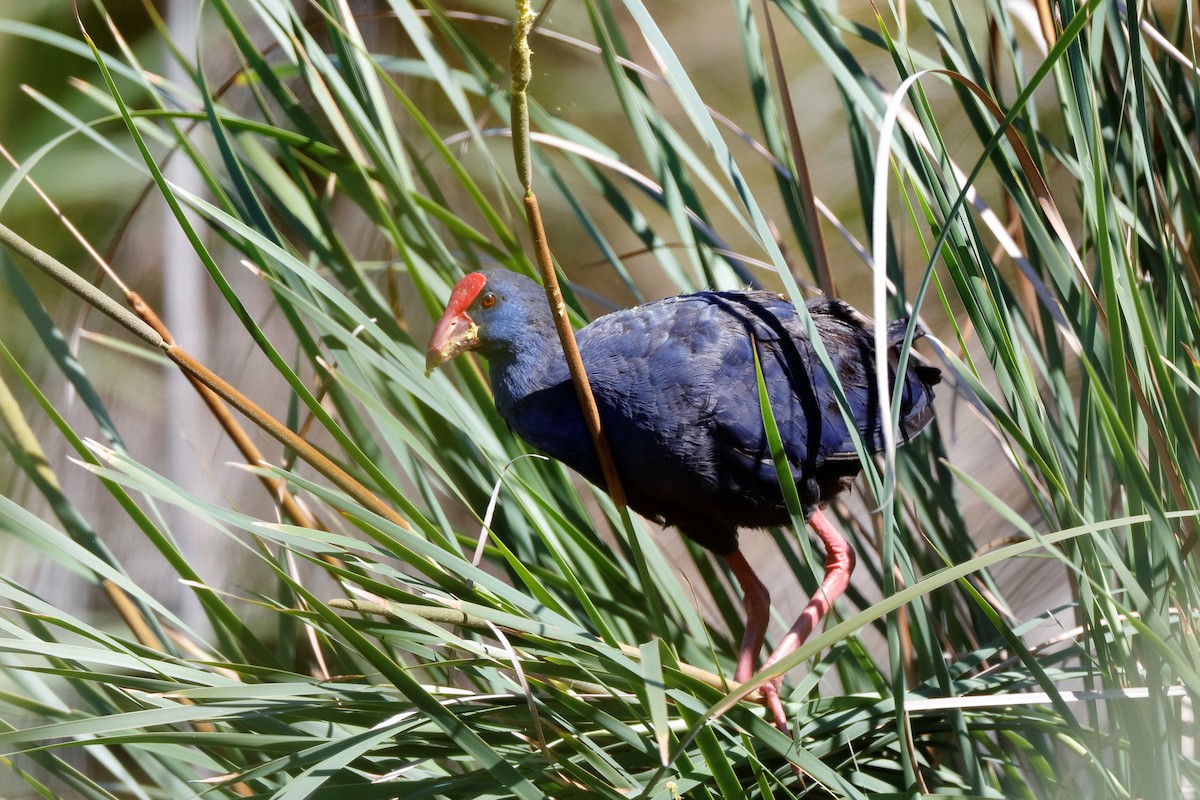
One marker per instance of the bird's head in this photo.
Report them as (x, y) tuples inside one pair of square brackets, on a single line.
[(491, 311)]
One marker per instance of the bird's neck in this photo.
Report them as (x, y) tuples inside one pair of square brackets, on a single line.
[(535, 396), (533, 365)]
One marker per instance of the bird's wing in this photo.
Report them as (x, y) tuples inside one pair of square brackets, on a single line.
[(802, 396), (678, 379), (801, 399)]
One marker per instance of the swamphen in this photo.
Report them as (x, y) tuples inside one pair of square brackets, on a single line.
[(675, 384)]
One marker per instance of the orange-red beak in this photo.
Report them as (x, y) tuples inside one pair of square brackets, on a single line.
[(455, 332)]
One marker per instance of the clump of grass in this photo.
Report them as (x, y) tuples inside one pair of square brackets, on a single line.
[(1039, 187)]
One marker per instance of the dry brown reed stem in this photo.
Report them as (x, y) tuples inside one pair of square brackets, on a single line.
[(275, 487), (135, 325), (284, 435), (805, 193), (521, 74), (1046, 19), (583, 389), (131, 615)]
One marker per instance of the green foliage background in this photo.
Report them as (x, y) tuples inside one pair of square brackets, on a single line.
[(349, 163)]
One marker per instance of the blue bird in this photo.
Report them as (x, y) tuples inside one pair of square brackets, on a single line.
[(675, 384)]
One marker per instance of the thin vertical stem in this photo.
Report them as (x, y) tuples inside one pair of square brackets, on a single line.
[(521, 74)]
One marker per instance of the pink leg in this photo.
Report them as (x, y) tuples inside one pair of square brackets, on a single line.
[(757, 603), (839, 563)]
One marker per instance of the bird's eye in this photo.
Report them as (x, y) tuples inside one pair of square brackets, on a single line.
[(488, 300)]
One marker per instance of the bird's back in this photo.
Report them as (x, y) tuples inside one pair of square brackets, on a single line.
[(675, 381)]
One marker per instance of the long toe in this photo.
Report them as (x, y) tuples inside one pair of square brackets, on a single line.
[(770, 693)]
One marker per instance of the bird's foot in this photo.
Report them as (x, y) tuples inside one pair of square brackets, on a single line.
[(770, 695)]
